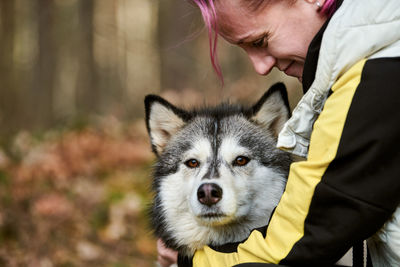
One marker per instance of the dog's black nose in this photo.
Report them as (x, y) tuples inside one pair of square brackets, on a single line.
[(209, 194)]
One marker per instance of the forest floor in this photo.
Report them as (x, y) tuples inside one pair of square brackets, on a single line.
[(77, 197)]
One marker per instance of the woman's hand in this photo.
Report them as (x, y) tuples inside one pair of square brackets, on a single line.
[(166, 256)]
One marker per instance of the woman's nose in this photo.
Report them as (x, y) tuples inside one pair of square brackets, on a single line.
[(262, 63)]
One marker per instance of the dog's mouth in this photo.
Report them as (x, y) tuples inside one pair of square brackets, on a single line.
[(213, 215), (214, 218)]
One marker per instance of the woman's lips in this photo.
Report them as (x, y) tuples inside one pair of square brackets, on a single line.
[(287, 69)]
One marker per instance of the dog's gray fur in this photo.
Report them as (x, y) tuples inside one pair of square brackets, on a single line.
[(200, 147)]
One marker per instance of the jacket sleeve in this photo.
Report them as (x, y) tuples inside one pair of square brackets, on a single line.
[(348, 186)]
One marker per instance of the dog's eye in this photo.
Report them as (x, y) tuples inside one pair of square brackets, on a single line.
[(192, 163), (241, 161)]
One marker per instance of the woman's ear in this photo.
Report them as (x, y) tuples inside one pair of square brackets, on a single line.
[(163, 120), (272, 110)]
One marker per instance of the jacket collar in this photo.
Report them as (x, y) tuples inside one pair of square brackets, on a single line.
[(310, 65)]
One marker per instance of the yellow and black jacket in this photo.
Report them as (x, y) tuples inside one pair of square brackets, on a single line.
[(348, 126)]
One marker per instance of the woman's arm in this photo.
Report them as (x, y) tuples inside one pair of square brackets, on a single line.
[(166, 256)]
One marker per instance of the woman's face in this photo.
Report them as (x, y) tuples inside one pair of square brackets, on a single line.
[(277, 34)]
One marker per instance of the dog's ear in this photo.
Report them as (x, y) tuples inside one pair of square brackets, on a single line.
[(163, 120), (272, 110)]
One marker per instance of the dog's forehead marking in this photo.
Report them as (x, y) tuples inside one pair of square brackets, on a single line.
[(215, 136), (214, 164)]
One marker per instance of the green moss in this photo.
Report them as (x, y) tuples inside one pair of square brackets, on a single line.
[(4, 178), (99, 218), (115, 196), (120, 264)]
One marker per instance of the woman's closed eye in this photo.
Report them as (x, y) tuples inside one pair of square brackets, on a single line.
[(261, 42)]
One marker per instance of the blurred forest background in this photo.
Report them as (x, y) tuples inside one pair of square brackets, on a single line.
[(75, 162)]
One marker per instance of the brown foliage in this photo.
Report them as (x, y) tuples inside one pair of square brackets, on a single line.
[(77, 198), (81, 153)]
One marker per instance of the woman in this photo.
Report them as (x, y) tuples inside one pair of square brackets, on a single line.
[(347, 56)]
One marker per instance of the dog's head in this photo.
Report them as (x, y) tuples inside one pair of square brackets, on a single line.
[(218, 174)]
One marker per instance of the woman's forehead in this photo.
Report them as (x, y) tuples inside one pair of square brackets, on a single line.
[(233, 19), (255, 5), (249, 6)]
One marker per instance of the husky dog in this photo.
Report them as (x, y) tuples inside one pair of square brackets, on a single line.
[(218, 174)]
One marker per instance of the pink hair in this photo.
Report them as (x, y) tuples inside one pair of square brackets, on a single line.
[(328, 8), (207, 9)]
